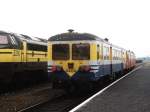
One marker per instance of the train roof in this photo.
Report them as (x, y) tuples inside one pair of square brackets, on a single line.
[(4, 32), (74, 36), (34, 40)]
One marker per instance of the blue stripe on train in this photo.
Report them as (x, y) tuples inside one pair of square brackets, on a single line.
[(117, 67), (90, 76)]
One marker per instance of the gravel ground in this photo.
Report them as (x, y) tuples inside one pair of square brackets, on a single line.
[(15, 101), (131, 94)]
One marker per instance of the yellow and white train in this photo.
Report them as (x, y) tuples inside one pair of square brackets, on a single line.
[(78, 58), (22, 57)]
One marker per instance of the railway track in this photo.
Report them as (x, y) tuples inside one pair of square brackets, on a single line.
[(46, 101), (4, 89), (60, 104), (64, 102), (20, 99)]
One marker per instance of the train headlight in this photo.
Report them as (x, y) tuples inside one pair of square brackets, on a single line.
[(59, 68), (53, 69)]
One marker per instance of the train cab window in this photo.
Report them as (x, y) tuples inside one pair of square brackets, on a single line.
[(4, 43), (60, 51), (81, 51), (3, 39)]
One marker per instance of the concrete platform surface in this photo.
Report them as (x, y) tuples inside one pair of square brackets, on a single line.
[(131, 94)]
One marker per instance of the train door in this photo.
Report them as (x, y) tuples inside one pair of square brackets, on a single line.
[(106, 57), (24, 52), (122, 60), (102, 59), (99, 59), (15, 65), (110, 54)]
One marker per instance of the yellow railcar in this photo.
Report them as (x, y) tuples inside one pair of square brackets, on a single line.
[(78, 58)]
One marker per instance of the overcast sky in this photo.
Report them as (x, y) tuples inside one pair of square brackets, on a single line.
[(125, 22)]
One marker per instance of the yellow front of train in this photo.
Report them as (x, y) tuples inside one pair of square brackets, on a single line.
[(70, 59)]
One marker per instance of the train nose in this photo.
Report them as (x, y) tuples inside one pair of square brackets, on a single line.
[(70, 69), (70, 65)]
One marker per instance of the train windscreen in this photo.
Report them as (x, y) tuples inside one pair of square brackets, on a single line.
[(81, 51), (4, 42), (60, 51), (3, 39)]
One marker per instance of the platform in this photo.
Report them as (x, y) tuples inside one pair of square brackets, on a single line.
[(130, 94)]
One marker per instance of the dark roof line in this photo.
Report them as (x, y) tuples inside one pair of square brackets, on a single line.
[(74, 36), (25, 37)]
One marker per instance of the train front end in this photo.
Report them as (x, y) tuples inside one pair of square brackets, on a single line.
[(71, 62)]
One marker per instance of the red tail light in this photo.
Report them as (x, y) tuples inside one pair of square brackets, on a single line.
[(53, 68), (87, 68)]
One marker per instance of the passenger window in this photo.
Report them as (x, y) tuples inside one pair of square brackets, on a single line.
[(36, 47), (106, 53)]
